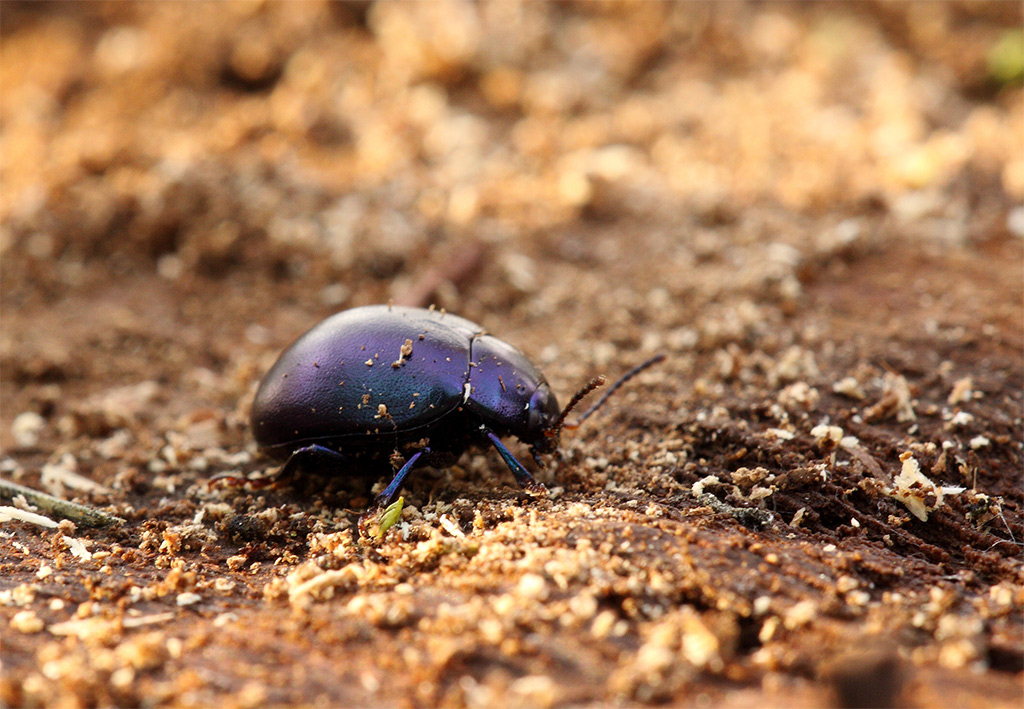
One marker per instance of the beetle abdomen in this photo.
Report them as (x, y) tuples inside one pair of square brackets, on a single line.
[(367, 372)]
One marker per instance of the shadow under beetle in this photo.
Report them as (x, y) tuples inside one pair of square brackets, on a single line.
[(387, 383)]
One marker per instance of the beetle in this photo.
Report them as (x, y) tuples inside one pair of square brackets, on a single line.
[(410, 385)]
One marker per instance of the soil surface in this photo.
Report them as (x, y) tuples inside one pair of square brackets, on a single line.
[(811, 210)]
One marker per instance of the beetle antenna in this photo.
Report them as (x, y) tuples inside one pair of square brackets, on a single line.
[(576, 399), (600, 402)]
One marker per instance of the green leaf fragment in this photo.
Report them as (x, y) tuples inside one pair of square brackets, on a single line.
[(390, 516)]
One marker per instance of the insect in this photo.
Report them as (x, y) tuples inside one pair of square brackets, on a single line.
[(410, 386)]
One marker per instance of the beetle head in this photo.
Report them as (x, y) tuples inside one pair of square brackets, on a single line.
[(542, 414)]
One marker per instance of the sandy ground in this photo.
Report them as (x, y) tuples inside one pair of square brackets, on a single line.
[(813, 211)]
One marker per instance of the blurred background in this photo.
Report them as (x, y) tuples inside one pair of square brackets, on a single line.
[(197, 183), (337, 141)]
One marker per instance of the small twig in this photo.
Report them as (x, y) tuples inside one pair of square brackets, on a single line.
[(64, 509)]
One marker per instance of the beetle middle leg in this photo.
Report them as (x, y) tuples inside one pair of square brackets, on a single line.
[(388, 494)]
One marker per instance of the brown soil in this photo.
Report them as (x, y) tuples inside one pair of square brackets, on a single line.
[(809, 209)]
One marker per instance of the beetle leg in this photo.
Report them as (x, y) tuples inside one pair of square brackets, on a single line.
[(537, 458), (523, 476), (297, 460), (316, 454), (387, 496)]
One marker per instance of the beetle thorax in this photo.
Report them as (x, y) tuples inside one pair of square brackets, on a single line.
[(507, 392)]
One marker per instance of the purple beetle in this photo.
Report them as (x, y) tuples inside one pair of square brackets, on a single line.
[(376, 381)]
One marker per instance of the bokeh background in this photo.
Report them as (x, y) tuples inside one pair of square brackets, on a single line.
[(814, 209), (332, 142)]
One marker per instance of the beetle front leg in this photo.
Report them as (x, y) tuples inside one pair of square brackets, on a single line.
[(523, 477), (538, 459)]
